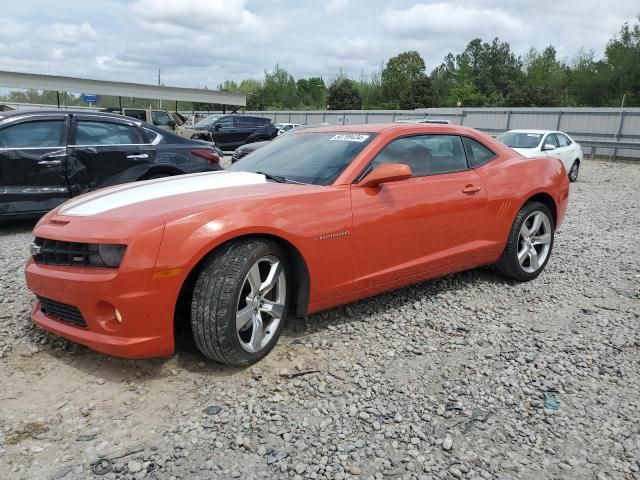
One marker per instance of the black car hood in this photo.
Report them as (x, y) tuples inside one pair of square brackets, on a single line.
[(250, 147)]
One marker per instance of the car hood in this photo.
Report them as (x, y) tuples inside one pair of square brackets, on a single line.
[(250, 147), (164, 196)]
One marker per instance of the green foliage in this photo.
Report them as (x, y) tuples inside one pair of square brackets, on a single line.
[(405, 83), (344, 95), (623, 59)]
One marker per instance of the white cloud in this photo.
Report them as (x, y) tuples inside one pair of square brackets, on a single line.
[(194, 14), (204, 42), (422, 20), (336, 6)]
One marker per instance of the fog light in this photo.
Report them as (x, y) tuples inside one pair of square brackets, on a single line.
[(118, 316)]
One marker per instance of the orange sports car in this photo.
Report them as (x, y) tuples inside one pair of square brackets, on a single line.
[(315, 219)]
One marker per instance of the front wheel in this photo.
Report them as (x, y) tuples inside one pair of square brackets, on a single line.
[(530, 243), (240, 302), (573, 172)]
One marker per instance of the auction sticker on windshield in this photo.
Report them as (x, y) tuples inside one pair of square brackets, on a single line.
[(348, 137)]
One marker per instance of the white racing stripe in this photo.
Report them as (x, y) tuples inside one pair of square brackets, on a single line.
[(124, 195)]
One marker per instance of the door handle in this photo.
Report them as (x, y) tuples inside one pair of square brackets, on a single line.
[(470, 189), (50, 162), (138, 155)]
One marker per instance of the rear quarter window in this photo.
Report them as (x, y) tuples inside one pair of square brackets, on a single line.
[(477, 153)]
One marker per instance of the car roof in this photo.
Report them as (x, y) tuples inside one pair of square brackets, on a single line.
[(62, 111), (530, 130), (389, 127)]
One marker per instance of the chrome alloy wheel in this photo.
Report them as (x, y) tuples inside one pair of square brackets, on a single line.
[(261, 303), (534, 242)]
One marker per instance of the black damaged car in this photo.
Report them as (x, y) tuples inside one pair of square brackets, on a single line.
[(231, 131), (46, 157)]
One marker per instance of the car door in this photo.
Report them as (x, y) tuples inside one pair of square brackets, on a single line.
[(551, 139), (245, 127), (224, 133), (567, 150), (161, 119), (427, 223), (106, 151), (32, 163)]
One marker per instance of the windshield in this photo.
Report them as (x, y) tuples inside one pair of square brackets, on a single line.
[(205, 122), (316, 158), (520, 139)]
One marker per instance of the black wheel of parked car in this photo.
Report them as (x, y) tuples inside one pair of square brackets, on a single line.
[(240, 302), (573, 173), (530, 243)]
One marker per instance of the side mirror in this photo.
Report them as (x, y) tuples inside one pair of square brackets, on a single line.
[(216, 126), (171, 123), (547, 147), (387, 172)]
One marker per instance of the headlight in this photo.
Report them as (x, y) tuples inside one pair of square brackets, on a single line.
[(111, 255)]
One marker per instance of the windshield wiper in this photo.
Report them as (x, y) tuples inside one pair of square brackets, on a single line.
[(280, 178)]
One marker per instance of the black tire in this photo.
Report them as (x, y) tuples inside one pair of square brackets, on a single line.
[(573, 171), (508, 265), (215, 301)]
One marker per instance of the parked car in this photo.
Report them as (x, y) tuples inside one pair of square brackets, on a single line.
[(550, 143), (230, 131), (245, 150), (285, 127), (315, 219), (159, 118), (425, 120), (46, 157)]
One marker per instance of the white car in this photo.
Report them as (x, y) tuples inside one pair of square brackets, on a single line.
[(285, 127), (535, 143)]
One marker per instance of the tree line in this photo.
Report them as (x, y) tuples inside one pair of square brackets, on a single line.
[(485, 74)]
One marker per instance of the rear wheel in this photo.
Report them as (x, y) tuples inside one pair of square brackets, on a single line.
[(530, 243), (573, 172), (240, 302)]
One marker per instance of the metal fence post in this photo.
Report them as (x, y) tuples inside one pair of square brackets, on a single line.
[(366, 117), (306, 118), (508, 120), (394, 117), (559, 119)]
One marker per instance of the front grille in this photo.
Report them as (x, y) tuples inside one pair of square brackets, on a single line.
[(62, 311), (57, 252)]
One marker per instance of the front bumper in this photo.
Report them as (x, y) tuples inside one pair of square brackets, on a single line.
[(142, 327)]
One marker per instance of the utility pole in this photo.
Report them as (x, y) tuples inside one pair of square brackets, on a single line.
[(159, 101)]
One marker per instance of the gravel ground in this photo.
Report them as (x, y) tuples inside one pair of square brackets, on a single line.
[(469, 376)]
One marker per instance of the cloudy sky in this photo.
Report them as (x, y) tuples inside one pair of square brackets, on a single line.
[(203, 42)]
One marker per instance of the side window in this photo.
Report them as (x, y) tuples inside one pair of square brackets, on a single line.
[(225, 122), (563, 140), (139, 114), (40, 133), (105, 133), (447, 152), (151, 135), (245, 122), (425, 154), (551, 140), (477, 154), (160, 119)]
